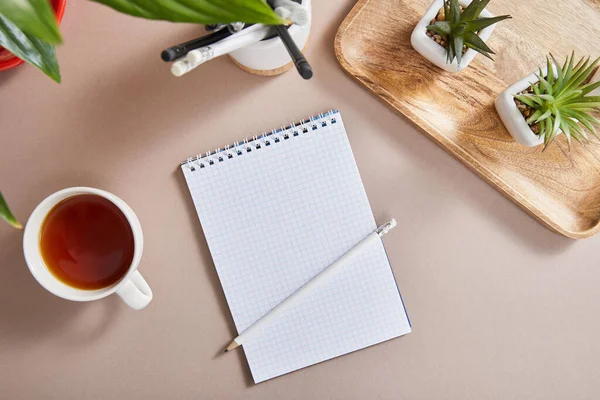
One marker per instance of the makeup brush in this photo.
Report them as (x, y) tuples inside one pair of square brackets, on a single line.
[(303, 67), (298, 13)]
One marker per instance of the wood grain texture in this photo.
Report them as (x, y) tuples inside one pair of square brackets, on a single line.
[(456, 110), (270, 72)]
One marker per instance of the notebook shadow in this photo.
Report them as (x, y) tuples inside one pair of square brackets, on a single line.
[(30, 314), (434, 164), (211, 274)]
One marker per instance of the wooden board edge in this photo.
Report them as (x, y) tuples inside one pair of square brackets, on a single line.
[(448, 146)]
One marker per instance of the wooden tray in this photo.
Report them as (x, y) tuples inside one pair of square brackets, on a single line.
[(560, 189)]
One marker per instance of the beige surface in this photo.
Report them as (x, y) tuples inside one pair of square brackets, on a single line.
[(501, 307)]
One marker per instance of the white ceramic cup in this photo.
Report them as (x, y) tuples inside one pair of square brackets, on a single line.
[(132, 287)]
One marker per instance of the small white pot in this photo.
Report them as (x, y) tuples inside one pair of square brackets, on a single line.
[(435, 53), (511, 116), (270, 57)]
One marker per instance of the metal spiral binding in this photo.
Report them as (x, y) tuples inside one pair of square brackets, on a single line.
[(263, 140)]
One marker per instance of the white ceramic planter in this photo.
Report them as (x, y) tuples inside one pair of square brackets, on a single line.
[(435, 53), (511, 116), (270, 57)]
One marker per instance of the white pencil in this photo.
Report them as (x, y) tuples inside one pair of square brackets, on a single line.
[(195, 58), (245, 37), (305, 290)]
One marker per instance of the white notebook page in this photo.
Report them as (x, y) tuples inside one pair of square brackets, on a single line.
[(276, 216)]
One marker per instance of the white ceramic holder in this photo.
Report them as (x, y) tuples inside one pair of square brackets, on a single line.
[(435, 53), (510, 115), (270, 57)]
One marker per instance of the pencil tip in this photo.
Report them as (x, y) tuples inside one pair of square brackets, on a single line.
[(226, 350)]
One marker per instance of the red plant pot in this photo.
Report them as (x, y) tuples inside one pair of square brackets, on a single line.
[(8, 60)]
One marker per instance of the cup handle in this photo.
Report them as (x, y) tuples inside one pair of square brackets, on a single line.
[(135, 292)]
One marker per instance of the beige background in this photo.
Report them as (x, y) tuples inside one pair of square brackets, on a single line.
[(501, 307)]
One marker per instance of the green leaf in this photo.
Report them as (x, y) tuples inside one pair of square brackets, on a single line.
[(441, 28), (542, 128), (29, 48), (567, 98), (557, 121), (34, 17), (534, 117), (583, 118), (474, 42), (469, 12), (457, 43), (560, 75), (450, 51), (198, 11), (576, 131), (567, 131), (480, 51), (6, 214), (547, 97), (548, 133), (454, 12), (578, 79), (593, 99), (578, 75), (527, 99), (474, 9), (550, 73), (546, 87), (446, 10), (544, 116), (590, 87), (480, 7), (477, 25), (584, 105), (569, 68)]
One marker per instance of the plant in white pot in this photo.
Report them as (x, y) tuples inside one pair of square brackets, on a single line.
[(452, 32), (558, 99)]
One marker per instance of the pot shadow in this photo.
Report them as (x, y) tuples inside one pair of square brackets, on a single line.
[(211, 273), (475, 192), (9, 74)]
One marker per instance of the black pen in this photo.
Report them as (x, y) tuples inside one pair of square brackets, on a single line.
[(180, 50), (303, 67)]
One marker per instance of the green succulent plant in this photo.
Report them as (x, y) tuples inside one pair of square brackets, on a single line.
[(461, 28), (563, 100)]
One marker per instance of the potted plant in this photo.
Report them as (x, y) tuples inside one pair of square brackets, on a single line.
[(8, 60), (28, 28), (452, 32), (557, 99)]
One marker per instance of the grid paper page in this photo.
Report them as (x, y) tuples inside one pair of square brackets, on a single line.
[(274, 217)]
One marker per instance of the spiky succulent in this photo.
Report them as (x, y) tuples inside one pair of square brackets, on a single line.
[(460, 28), (562, 100)]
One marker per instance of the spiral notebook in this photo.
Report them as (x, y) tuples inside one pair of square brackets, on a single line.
[(277, 209)]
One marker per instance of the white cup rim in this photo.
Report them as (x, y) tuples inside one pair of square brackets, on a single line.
[(36, 264)]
